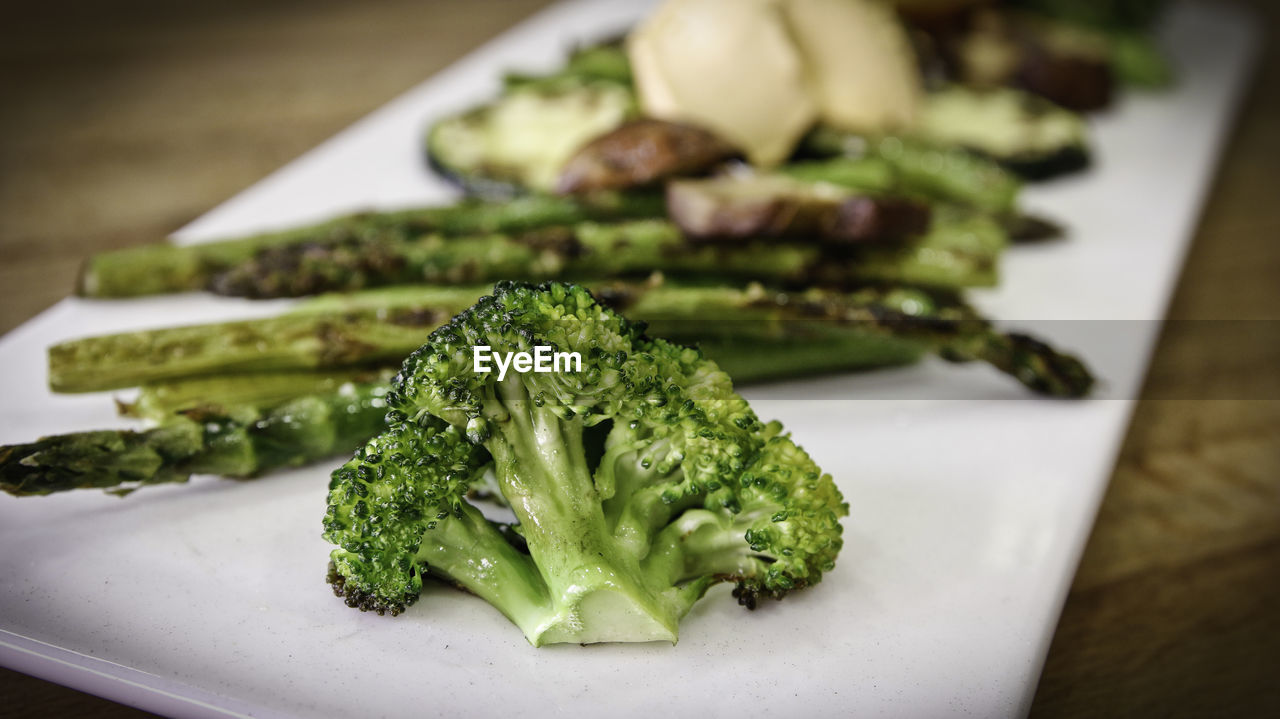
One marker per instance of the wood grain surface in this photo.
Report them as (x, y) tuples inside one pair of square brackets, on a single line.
[(123, 121)]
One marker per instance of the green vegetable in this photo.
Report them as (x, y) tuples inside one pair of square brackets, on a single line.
[(638, 481), (965, 146), (961, 249), (345, 339), (232, 441), (866, 328), (893, 165), (212, 371), (585, 250), (157, 401), (866, 173), (162, 268), (1026, 133), (1138, 61), (748, 331), (592, 63), (520, 141)]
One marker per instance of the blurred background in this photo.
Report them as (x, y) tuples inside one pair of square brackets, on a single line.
[(123, 121)]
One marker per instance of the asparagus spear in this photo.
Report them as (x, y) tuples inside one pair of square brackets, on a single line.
[(162, 268), (241, 425), (248, 424), (259, 391), (961, 249), (244, 425), (893, 164), (200, 430), (228, 441), (355, 338), (843, 324), (937, 175), (330, 413), (585, 250), (861, 328)]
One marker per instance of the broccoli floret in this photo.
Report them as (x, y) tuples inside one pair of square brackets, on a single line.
[(638, 480)]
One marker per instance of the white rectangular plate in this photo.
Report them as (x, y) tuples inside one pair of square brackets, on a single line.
[(970, 503)]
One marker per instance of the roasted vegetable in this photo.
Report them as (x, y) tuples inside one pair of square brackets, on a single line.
[(719, 317), (294, 341), (1073, 54), (908, 167), (828, 330), (586, 250), (1068, 65), (217, 412), (1137, 60), (739, 208), (521, 141), (641, 153), (638, 480), (990, 47), (1027, 134), (205, 438), (162, 268), (961, 249), (1023, 133)]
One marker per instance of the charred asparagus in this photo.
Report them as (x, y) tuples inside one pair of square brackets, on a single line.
[(232, 441), (894, 325), (163, 268), (961, 249)]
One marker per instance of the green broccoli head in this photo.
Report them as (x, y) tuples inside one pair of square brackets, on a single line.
[(637, 475), (398, 485)]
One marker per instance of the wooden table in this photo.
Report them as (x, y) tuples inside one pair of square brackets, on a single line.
[(123, 121)]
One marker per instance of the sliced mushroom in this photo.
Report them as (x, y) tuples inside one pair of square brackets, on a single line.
[(640, 153), (738, 208)]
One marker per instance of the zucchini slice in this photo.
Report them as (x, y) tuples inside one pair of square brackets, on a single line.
[(1028, 134), (520, 142)]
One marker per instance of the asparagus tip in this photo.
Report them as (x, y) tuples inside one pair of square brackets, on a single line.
[(1047, 371)]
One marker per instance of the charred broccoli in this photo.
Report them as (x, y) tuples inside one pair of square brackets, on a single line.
[(638, 479)]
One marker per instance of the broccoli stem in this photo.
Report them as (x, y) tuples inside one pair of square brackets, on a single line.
[(234, 441), (700, 543), (598, 588), (163, 268), (508, 580)]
